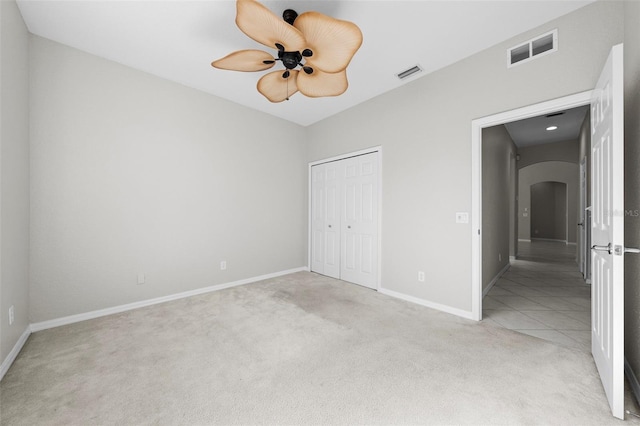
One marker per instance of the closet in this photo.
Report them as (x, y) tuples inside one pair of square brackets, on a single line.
[(344, 219)]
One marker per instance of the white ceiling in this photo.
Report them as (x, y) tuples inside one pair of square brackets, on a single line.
[(533, 131), (178, 39)]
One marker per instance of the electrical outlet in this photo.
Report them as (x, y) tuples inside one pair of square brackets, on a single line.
[(223, 265), (141, 279), (421, 276), (11, 316)]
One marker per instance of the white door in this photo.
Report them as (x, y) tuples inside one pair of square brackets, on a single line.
[(359, 233), (325, 218), (607, 198), (344, 219)]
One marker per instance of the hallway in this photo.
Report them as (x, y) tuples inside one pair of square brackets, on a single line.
[(543, 294)]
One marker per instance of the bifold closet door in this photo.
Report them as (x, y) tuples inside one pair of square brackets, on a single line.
[(359, 219), (325, 202), (344, 203)]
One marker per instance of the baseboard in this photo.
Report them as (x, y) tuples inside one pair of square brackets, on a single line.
[(512, 258), (633, 380), (44, 325), (524, 240), (495, 280), (428, 304), (8, 361), (553, 240)]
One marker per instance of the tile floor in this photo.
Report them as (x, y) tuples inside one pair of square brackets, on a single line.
[(543, 294)]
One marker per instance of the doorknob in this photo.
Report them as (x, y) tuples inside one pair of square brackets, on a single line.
[(606, 248), (581, 224)]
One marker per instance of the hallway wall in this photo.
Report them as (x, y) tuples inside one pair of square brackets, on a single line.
[(549, 210), (498, 153)]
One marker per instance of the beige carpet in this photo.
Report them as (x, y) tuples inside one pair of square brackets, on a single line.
[(300, 349)]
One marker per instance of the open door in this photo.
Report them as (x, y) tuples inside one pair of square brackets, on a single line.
[(607, 229)]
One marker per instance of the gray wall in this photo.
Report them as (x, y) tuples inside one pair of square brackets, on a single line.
[(134, 174), (552, 171), (14, 175), (498, 154), (584, 141), (632, 183), (557, 151), (424, 129), (549, 211)]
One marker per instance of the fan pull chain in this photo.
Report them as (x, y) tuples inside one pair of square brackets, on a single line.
[(287, 94)]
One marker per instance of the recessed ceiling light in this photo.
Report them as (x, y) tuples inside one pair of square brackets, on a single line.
[(552, 127)]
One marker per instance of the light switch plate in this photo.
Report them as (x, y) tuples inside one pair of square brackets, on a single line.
[(462, 217)]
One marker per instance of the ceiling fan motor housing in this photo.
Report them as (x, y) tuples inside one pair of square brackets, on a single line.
[(290, 60)]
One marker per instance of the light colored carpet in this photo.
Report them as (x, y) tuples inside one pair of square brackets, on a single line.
[(299, 349)]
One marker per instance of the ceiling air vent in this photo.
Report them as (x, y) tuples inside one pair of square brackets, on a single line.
[(407, 73), (534, 48)]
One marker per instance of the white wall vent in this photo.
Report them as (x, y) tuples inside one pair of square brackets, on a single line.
[(534, 48), (407, 73)]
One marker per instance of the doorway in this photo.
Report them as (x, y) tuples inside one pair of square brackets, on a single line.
[(607, 229), (549, 211), (540, 292), (548, 107)]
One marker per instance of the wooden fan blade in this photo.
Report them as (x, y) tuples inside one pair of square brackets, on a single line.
[(262, 25), (245, 60), (320, 83), (276, 88), (332, 41)]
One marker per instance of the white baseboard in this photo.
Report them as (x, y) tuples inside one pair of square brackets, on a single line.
[(524, 240), (43, 325), (633, 380), (495, 280), (512, 258), (8, 361), (428, 304), (553, 240)]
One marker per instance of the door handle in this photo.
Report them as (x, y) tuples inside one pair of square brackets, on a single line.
[(581, 224), (619, 250), (606, 248)]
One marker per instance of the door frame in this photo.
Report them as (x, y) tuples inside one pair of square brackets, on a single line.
[(546, 107), (582, 206), (373, 149)]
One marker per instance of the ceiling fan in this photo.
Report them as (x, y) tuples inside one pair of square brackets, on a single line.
[(325, 44)]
